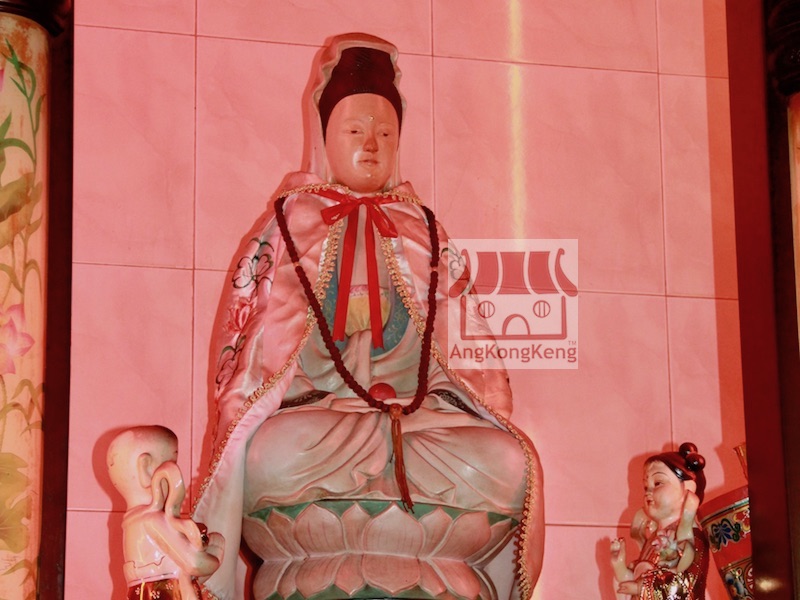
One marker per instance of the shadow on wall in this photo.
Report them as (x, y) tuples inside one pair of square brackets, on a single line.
[(606, 584)]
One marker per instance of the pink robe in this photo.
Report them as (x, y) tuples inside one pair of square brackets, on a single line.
[(270, 329)]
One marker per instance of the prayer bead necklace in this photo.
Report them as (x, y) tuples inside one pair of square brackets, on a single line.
[(394, 409)]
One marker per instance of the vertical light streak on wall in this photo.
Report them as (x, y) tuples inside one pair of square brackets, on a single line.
[(517, 124), (516, 120)]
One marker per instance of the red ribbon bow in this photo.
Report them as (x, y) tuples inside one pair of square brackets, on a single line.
[(349, 205)]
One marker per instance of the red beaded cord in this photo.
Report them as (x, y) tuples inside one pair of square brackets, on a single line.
[(325, 331)]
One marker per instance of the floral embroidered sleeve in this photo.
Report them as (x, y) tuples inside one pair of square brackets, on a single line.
[(239, 334), (253, 269)]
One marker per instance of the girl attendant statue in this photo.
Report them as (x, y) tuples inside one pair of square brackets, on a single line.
[(673, 562)]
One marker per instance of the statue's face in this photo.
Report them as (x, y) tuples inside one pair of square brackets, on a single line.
[(663, 493), (361, 142)]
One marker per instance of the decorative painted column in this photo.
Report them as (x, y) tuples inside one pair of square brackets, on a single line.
[(24, 186)]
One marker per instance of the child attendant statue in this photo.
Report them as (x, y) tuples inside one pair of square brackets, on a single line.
[(673, 561)]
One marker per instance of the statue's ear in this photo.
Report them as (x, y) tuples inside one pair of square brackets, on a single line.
[(144, 469), (691, 485)]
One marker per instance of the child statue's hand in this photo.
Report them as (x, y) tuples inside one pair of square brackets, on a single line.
[(618, 552), (691, 502), (631, 588)]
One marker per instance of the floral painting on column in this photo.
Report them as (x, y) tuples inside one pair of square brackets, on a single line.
[(23, 168)]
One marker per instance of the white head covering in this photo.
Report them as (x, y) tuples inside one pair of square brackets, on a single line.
[(315, 160)]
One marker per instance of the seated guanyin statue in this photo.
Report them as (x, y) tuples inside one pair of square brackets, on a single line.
[(349, 457)]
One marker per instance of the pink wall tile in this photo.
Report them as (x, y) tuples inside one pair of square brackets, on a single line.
[(613, 34), (248, 136), (405, 24), (134, 147), (692, 37), (131, 339), (584, 546), (589, 424), (416, 136), (698, 187), (93, 566), (554, 153), (705, 375), (175, 16)]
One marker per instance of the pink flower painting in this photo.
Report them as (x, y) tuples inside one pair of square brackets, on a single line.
[(14, 342)]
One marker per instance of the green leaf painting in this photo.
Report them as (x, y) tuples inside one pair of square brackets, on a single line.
[(21, 288)]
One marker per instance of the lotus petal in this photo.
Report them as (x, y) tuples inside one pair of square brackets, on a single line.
[(458, 577), (282, 527), (394, 532), (262, 541), (354, 521), (469, 533), (500, 536), (392, 574), (269, 575), (317, 573), (288, 583), (319, 531), (430, 581), (349, 579), (435, 524)]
